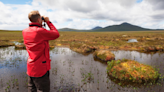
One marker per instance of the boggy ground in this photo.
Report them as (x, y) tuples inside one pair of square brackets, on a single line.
[(148, 41), (7, 38), (71, 70), (98, 40)]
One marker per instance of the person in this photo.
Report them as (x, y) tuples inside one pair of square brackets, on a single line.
[(36, 41)]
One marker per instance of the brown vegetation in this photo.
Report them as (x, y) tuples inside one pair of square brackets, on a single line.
[(148, 41), (104, 55)]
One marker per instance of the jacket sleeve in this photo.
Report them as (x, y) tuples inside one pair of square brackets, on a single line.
[(49, 34)]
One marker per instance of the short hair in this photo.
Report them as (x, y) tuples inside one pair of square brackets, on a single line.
[(33, 16)]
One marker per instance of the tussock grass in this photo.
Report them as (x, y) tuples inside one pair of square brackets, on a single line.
[(130, 70)]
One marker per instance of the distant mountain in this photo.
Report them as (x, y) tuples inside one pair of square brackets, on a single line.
[(67, 29), (95, 28), (70, 29), (123, 27)]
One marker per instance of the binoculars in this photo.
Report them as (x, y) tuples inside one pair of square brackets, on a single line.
[(42, 18), (44, 25)]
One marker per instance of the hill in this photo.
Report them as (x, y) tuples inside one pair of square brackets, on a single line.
[(96, 28), (70, 29), (123, 27), (67, 29)]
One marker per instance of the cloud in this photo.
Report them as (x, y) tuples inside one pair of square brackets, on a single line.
[(15, 17), (88, 24), (85, 14), (90, 7), (157, 4)]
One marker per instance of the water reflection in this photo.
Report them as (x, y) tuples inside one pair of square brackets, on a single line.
[(150, 59), (17, 43), (132, 40), (11, 59), (73, 71)]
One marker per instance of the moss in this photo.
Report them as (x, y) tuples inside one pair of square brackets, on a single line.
[(101, 56), (132, 71), (82, 48), (104, 55)]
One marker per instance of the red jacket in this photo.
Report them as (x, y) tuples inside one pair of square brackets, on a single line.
[(36, 41)]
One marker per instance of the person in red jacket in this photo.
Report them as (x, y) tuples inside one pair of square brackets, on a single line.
[(36, 41)]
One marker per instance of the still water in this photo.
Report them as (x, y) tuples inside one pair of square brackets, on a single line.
[(74, 72)]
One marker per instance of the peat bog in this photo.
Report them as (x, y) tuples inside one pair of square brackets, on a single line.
[(73, 66), (74, 72)]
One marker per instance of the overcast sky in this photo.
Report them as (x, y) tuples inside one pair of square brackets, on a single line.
[(83, 14)]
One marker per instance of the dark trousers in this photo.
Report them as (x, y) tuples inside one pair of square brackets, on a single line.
[(39, 84)]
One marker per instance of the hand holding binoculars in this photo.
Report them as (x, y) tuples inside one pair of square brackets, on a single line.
[(45, 19)]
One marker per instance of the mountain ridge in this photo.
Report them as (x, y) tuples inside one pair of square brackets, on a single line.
[(122, 27), (96, 28)]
